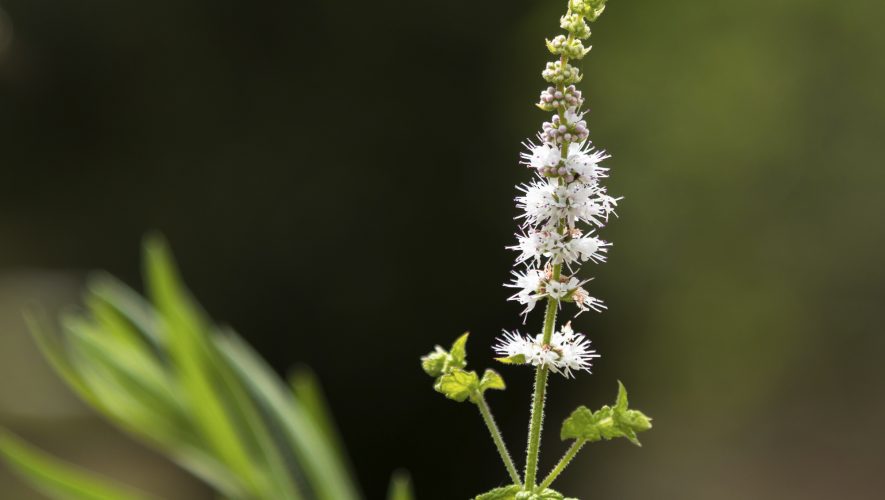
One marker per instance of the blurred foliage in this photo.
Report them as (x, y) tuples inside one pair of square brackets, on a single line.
[(165, 373)]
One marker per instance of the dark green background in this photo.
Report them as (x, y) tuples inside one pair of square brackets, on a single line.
[(336, 179)]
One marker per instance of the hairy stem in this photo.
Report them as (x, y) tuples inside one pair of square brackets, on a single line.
[(531, 464), (496, 437), (563, 463)]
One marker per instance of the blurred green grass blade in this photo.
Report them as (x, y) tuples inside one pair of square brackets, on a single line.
[(135, 369), (57, 479), (190, 353), (327, 475), (309, 393), (249, 418), (175, 441), (114, 325), (130, 304), (54, 350), (400, 487)]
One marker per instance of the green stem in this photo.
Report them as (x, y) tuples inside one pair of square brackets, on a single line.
[(531, 464), (496, 437), (563, 463)]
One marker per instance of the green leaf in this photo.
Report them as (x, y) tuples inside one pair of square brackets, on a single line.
[(491, 380), (189, 351), (514, 492), (400, 487), (503, 493), (547, 494), (323, 467), (621, 402), (440, 362), (434, 363), (517, 359), (581, 424), (459, 352), (607, 422), (458, 384), (308, 392), (57, 479)]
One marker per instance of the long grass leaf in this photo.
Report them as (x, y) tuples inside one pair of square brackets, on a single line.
[(309, 394), (188, 348), (58, 479), (327, 474)]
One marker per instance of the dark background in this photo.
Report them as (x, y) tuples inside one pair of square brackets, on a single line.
[(336, 179)]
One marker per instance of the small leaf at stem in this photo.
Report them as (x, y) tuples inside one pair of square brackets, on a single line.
[(457, 384), (459, 352), (434, 363), (491, 380), (517, 359), (440, 361)]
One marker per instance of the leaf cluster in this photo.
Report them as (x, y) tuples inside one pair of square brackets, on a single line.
[(609, 422), (452, 380)]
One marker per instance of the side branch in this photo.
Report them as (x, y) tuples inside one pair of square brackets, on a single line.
[(496, 437), (563, 463)]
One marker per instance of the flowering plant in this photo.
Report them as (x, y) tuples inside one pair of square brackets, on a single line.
[(562, 210)]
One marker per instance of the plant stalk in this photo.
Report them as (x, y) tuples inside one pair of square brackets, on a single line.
[(563, 463), (496, 437), (531, 464)]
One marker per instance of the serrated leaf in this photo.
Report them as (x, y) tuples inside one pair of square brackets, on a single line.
[(621, 402), (459, 352), (457, 384), (516, 359), (581, 424), (607, 422), (491, 380)]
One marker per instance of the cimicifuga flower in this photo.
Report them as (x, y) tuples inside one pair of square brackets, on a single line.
[(563, 210), (565, 353)]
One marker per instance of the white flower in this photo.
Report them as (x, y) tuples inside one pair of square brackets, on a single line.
[(514, 344), (558, 290), (583, 161), (560, 248), (540, 156), (566, 353), (547, 202), (541, 243), (585, 302), (574, 351), (529, 284), (584, 248)]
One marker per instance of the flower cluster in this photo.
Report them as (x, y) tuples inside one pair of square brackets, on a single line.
[(566, 352), (563, 207)]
